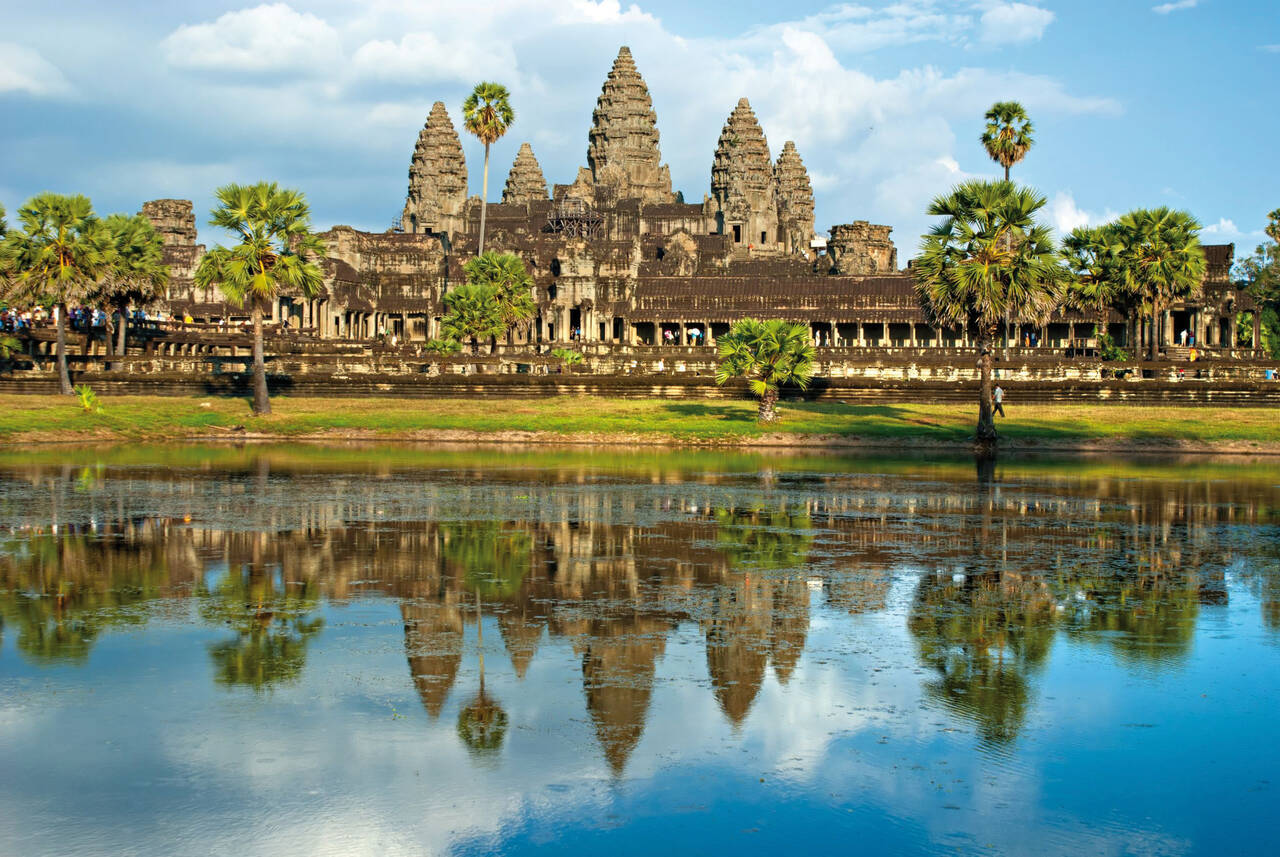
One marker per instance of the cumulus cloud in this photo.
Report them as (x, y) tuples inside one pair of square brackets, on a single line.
[(1226, 231), (1066, 215), (423, 57), (1013, 23), (25, 70), (267, 38), (1166, 8)]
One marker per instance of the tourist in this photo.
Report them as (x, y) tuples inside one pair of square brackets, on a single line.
[(667, 336), (1183, 337), (695, 334), (997, 400)]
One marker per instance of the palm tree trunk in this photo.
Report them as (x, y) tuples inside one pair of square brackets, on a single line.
[(484, 195), (1155, 332), (768, 406), (1006, 172), (986, 434), (64, 377), (261, 397), (122, 335)]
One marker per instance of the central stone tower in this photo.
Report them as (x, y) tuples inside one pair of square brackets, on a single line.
[(622, 150), (742, 182), (437, 178)]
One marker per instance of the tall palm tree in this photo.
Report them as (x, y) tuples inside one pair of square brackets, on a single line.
[(507, 275), (59, 255), (1008, 134), (137, 275), (472, 312), (1097, 284), (487, 114), (277, 250), (769, 354), (988, 261), (1161, 259)]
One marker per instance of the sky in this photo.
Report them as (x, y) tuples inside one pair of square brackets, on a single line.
[(1135, 104)]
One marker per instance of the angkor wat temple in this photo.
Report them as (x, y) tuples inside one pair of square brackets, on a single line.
[(619, 257)]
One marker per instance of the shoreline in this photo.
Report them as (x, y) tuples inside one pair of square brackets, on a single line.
[(778, 441), (569, 421)]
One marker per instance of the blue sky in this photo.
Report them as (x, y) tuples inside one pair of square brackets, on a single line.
[(1135, 103)]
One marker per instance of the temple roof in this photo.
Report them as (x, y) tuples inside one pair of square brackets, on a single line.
[(622, 146), (525, 182)]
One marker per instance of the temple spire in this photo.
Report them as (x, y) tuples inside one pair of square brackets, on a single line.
[(742, 181), (525, 182), (622, 150), (795, 200), (437, 178)]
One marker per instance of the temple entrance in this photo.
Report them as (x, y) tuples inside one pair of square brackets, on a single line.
[(737, 233), (575, 324)]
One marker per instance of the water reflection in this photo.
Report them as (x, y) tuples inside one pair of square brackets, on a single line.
[(994, 569)]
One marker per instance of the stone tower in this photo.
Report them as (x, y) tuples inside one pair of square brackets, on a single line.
[(742, 183), (862, 249), (525, 182), (437, 178), (795, 200), (622, 150)]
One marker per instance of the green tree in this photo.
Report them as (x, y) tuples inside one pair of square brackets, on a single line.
[(487, 114), (59, 255), (137, 274), (1259, 274), (769, 354), (507, 275), (1097, 285), (1007, 137), (472, 312), (1161, 260), (277, 250), (987, 262)]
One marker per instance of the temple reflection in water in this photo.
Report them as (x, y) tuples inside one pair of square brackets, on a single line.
[(995, 574)]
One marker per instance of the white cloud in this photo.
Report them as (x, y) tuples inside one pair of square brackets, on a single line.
[(1226, 231), (23, 69), (1066, 215), (423, 57), (267, 38), (1166, 8), (1274, 49), (1011, 23)]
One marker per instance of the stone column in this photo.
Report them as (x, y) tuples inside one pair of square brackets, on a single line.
[(1257, 329)]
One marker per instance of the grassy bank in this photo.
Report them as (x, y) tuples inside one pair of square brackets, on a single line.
[(28, 419)]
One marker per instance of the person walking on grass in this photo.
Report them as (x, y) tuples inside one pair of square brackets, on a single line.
[(997, 399)]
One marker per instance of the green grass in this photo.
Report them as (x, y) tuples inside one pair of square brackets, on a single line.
[(25, 419)]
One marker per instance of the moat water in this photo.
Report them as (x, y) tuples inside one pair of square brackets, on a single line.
[(393, 650)]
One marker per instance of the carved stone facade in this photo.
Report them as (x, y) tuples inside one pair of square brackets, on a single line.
[(862, 249), (743, 186), (795, 201), (525, 182), (175, 221), (622, 150), (617, 258), (437, 178)]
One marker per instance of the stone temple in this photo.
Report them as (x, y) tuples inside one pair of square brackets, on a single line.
[(618, 257)]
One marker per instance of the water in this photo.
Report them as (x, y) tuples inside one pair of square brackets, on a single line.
[(275, 651)]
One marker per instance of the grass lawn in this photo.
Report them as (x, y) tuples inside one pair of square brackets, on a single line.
[(58, 418)]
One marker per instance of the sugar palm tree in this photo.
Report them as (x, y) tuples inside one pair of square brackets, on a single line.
[(987, 262), (769, 354), (1161, 259), (277, 250), (487, 114), (1097, 284), (472, 312), (507, 275), (137, 274), (59, 255), (1007, 136)]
